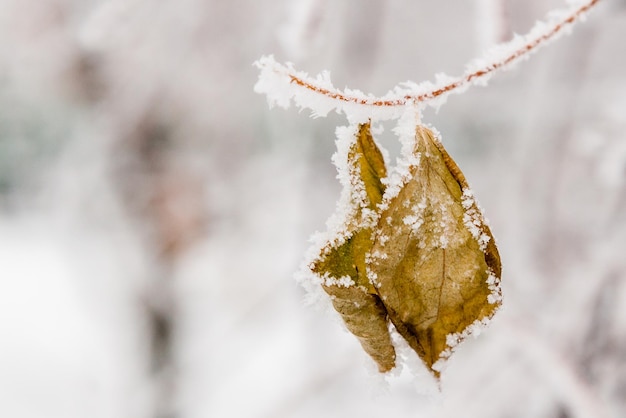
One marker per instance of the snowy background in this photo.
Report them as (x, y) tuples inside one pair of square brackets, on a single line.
[(153, 210)]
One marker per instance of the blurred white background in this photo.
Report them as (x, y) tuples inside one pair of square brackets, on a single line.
[(153, 210)]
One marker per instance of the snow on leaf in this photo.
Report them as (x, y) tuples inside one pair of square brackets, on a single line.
[(410, 255), (341, 262), (440, 278)]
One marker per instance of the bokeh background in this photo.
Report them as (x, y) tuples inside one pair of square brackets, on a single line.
[(153, 210)]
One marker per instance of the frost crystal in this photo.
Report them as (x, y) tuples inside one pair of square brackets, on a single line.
[(472, 219), (493, 282), (344, 281), (453, 340)]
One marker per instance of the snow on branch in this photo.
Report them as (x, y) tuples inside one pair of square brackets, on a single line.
[(282, 83)]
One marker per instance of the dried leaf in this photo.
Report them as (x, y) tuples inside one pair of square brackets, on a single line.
[(342, 264), (423, 258), (434, 261)]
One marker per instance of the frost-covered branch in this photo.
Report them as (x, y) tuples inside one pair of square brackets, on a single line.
[(282, 83)]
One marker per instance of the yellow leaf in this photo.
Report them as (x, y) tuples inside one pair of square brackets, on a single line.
[(421, 258), (434, 261), (341, 264)]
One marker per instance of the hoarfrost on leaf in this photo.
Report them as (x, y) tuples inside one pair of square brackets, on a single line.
[(408, 258), (345, 281), (434, 281)]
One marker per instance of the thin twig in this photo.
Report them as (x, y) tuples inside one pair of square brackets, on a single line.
[(471, 76)]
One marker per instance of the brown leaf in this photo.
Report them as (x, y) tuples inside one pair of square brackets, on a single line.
[(423, 258), (434, 261), (342, 264)]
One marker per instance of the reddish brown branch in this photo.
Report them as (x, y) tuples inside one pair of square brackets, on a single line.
[(465, 79)]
